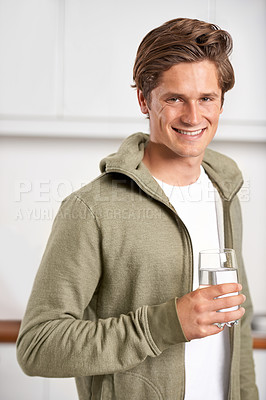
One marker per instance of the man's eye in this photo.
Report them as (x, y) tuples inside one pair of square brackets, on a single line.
[(206, 99), (173, 100)]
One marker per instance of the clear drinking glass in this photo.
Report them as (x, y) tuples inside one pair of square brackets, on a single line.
[(219, 266)]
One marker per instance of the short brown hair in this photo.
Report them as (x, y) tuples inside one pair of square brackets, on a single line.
[(182, 40)]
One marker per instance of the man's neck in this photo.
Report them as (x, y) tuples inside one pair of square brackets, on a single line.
[(173, 170)]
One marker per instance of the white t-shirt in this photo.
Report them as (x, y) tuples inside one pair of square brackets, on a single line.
[(207, 360)]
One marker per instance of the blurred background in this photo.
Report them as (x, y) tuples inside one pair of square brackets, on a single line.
[(66, 102)]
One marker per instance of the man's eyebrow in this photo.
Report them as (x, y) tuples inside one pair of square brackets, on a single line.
[(214, 95), (173, 94), (211, 94)]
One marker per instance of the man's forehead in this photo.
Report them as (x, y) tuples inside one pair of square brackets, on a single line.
[(201, 76)]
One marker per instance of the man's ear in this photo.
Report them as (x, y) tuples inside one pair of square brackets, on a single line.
[(142, 102)]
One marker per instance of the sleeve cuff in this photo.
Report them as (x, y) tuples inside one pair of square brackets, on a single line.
[(164, 325)]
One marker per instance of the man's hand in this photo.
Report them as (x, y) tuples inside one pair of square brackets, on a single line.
[(197, 310)]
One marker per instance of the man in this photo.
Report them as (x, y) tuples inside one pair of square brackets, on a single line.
[(116, 302)]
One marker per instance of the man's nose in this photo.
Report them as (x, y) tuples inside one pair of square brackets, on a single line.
[(191, 114)]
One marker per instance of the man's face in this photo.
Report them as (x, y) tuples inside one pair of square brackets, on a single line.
[(184, 109)]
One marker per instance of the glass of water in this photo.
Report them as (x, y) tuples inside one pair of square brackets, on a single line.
[(219, 266)]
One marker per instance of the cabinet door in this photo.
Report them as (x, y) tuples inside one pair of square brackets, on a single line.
[(246, 22), (28, 53)]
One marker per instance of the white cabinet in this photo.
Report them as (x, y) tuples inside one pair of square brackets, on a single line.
[(28, 43), (246, 22)]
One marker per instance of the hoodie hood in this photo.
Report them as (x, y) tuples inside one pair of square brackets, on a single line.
[(129, 154), (222, 170)]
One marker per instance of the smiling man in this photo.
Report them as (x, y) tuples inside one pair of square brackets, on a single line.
[(116, 302)]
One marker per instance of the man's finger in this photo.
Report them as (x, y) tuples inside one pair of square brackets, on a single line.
[(227, 302), (224, 317), (213, 291)]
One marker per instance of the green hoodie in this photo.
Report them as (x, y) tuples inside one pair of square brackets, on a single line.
[(103, 304)]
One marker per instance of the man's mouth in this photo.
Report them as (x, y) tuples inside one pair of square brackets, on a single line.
[(189, 133)]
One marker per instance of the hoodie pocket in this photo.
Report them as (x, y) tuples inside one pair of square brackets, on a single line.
[(124, 386), (132, 386)]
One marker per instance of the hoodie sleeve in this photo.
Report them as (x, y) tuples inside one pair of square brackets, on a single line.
[(54, 339)]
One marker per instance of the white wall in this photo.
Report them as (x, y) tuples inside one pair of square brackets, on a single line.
[(66, 101)]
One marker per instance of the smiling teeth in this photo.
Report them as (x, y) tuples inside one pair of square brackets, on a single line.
[(190, 133)]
